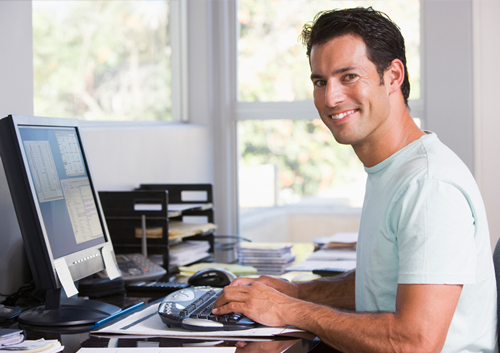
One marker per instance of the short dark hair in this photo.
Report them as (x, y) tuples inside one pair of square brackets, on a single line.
[(382, 37)]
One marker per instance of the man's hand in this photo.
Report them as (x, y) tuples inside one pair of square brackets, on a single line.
[(257, 301), (280, 285)]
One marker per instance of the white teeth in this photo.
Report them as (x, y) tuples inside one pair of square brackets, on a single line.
[(341, 115)]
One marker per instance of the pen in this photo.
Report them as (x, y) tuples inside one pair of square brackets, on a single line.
[(115, 315)]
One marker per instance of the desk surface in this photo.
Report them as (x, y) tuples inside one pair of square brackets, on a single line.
[(73, 341), (74, 338)]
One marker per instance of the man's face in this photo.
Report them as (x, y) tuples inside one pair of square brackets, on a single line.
[(347, 91)]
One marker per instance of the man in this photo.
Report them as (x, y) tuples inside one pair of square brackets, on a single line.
[(424, 279)]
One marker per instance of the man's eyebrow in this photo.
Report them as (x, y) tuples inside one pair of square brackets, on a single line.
[(336, 72)]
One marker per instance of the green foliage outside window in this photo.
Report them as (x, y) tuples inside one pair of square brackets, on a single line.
[(308, 159), (102, 60), (272, 65)]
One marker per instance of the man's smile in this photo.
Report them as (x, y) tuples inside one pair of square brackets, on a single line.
[(341, 115)]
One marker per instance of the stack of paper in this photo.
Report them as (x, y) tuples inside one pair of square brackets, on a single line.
[(237, 270), (41, 345), (178, 229), (188, 252), (338, 240), (267, 258), (337, 254), (10, 336)]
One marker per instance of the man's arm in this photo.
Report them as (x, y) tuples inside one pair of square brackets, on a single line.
[(420, 323), (335, 291)]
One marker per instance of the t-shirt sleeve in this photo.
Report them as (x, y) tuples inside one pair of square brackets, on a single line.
[(434, 227)]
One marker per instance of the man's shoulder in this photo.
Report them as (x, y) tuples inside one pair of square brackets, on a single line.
[(444, 164)]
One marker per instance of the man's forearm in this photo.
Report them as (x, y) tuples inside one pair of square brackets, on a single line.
[(420, 323), (336, 291), (357, 332)]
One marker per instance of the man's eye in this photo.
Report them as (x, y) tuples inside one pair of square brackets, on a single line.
[(319, 83), (350, 77)]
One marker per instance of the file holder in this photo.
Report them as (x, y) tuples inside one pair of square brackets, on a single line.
[(137, 221), (142, 216), (198, 195), (223, 247)]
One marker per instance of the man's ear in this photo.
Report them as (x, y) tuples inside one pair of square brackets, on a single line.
[(394, 75)]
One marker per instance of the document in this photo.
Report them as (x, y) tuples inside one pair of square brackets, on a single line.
[(339, 265), (39, 346), (346, 238), (238, 270), (160, 350), (183, 229), (10, 336), (332, 255), (147, 322)]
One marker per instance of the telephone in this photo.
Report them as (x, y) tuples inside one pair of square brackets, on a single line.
[(137, 267)]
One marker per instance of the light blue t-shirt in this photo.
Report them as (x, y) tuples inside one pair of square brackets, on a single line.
[(424, 222)]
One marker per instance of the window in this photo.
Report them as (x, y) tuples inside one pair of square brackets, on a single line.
[(287, 158), (272, 65), (105, 60)]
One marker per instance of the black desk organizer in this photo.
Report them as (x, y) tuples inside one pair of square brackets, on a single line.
[(127, 212)]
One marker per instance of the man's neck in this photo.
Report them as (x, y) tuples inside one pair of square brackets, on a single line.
[(399, 133)]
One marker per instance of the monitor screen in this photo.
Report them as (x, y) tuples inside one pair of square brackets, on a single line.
[(62, 188)]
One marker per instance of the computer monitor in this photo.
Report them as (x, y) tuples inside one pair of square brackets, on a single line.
[(59, 215)]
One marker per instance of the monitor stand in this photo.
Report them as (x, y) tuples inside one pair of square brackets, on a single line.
[(59, 311)]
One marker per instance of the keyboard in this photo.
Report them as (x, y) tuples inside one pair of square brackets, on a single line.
[(156, 287), (191, 308)]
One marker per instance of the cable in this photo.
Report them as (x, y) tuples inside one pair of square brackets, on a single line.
[(26, 290)]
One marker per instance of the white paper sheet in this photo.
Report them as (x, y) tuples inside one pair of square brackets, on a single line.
[(341, 237), (332, 255), (147, 322), (340, 265), (160, 350)]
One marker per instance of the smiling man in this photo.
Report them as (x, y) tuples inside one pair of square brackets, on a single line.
[(424, 279)]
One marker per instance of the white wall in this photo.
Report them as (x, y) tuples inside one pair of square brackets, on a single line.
[(16, 96), (448, 82), (486, 111), (123, 158)]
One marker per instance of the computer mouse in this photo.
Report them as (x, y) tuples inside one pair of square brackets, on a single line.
[(214, 277)]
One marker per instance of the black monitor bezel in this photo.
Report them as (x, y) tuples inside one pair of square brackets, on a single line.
[(23, 195)]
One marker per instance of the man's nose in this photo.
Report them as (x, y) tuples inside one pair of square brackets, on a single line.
[(334, 94)]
